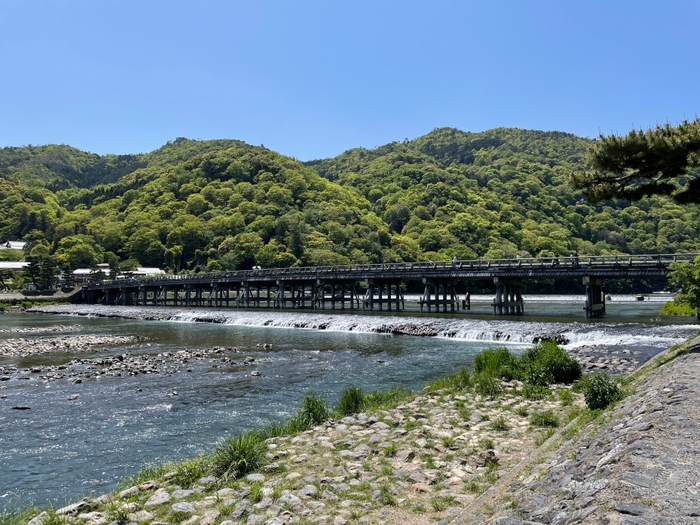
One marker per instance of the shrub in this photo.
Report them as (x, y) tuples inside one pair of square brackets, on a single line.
[(544, 419), (496, 362), (460, 380), (486, 385), (547, 363), (599, 391), (239, 455), (313, 410), (351, 401), (535, 392)]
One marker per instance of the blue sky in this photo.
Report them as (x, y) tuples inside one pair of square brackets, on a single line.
[(311, 79)]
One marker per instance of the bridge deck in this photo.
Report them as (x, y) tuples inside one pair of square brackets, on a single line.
[(311, 284)]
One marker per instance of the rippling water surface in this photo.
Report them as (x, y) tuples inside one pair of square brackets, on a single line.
[(62, 449)]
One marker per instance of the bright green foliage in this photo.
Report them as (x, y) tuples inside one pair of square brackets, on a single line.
[(486, 385), (599, 391), (209, 205), (239, 455), (547, 363), (497, 362), (351, 401), (535, 392), (314, 409), (687, 278), (659, 161)]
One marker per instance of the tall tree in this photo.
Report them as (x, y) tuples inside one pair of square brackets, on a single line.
[(660, 161)]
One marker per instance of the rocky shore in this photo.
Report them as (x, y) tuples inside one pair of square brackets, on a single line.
[(443, 457), (423, 461), (126, 365), (25, 347)]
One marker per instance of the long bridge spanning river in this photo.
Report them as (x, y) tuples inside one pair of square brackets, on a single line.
[(338, 287)]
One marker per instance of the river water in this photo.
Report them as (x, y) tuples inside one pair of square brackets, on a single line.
[(66, 447)]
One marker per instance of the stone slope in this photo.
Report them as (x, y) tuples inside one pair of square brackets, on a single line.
[(640, 465)]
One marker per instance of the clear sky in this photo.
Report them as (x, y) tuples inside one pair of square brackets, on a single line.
[(311, 79)]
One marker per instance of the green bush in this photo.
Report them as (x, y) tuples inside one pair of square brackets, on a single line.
[(486, 385), (535, 392), (544, 419), (496, 362), (547, 363), (460, 380), (313, 410), (387, 399), (239, 455), (351, 401), (599, 391)]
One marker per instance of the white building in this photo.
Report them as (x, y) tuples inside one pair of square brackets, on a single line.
[(12, 245)]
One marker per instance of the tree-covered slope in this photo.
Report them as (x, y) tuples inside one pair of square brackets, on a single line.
[(223, 204), (60, 166), (503, 192)]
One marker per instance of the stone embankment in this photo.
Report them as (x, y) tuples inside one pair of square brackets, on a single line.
[(638, 464)]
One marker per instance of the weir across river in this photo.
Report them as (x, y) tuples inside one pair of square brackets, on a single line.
[(378, 286)]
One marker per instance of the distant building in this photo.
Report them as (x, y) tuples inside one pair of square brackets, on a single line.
[(13, 265), (82, 275), (12, 245)]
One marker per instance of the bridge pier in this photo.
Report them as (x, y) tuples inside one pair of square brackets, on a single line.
[(595, 297), (393, 297), (432, 291), (509, 299)]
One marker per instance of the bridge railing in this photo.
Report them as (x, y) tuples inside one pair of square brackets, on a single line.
[(571, 261)]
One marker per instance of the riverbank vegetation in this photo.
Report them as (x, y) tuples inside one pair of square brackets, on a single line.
[(213, 205), (475, 422)]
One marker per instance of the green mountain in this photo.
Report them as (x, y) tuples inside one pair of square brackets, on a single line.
[(223, 204)]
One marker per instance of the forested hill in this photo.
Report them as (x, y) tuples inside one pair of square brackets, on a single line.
[(501, 192), (223, 204)]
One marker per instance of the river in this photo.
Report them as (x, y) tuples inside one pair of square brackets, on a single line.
[(81, 438)]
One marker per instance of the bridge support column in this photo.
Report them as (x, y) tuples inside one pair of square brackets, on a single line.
[(595, 297), (375, 295), (432, 291), (508, 300)]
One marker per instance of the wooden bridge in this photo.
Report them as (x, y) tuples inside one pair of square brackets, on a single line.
[(339, 287)]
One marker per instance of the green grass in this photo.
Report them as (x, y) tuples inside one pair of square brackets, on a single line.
[(499, 424), (565, 397), (486, 444), (351, 401), (236, 456), (544, 419), (535, 392)]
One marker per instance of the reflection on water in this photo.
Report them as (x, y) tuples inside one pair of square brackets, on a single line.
[(62, 448)]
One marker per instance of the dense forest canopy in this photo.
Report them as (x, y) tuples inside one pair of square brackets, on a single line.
[(223, 204)]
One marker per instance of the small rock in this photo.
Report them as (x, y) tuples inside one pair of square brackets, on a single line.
[(636, 509), (307, 491), (183, 506), (160, 497), (182, 494), (255, 477), (131, 491)]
